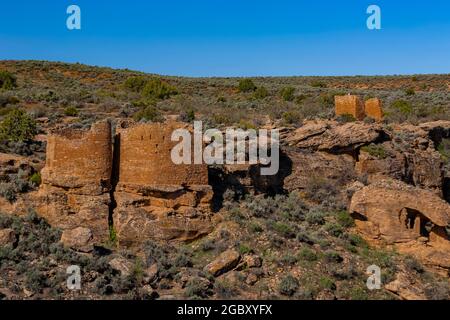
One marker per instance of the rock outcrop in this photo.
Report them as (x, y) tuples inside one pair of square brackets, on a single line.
[(416, 221), (332, 137)]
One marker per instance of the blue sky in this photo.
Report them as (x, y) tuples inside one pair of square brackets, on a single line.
[(233, 37)]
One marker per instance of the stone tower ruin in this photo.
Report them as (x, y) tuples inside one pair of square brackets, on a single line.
[(89, 181)]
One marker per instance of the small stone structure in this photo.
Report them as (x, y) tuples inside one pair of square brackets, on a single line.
[(373, 108), (353, 105), (350, 104)]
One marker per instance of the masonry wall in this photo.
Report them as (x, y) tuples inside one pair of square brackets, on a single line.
[(350, 104), (145, 157), (373, 108), (77, 158)]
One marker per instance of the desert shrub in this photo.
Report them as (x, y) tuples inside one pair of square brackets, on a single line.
[(260, 207), (444, 149), (288, 286), (287, 93), (413, 264), (71, 111), (7, 80), (318, 84), (402, 106), (346, 118), (256, 227), (261, 93), (292, 117), (208, 245), (225, 290), (303, 236), (333, 257), (322, 190), (7, 191), (187, 115), (36, 179), (376, 151), (410, 92), (135, 84), (345, 219), (283, 229), (327, 283), (291, 207), (158, 89), (246, 85), (357, 241), (198, 288), (244, 249), (315, 217), (148, 113), (17, 126), (334, 229), (307, 254)]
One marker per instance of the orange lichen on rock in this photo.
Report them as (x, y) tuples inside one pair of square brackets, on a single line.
[(349, 104), (373, 108)]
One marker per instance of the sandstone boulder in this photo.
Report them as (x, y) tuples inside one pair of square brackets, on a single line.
[(224, 263), (405, 287), (331, 137), (122, 265), (79, 239)]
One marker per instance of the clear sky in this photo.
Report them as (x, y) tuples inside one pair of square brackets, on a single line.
[(233, 37)]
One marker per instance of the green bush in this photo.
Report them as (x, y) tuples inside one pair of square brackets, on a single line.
[(287, 93), (288, 285), (36, 179), (261, 93), (148, 113), (345, 219), (346, 118), (410, 92), (376, 151), (307, 254), (17, 126), (327, 283), (334, 229), (246, 85), (318, 84), (404, 107), (158, 89), (444, 149), (188, 115), (7, 80), (333, 257), (71, 111), (292, 117), (135, 84)]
